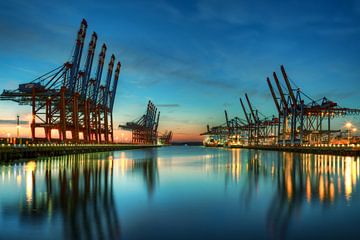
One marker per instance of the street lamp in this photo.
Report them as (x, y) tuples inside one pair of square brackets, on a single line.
[(18, 129), (348, 125), (354, 130)]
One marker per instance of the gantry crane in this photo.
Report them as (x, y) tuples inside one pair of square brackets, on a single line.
[(145, 129), (301, 122), (166, 137), (297, 123), (66, 99)]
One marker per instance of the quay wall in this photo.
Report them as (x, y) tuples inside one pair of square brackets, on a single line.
[(337, 150), (12, 152)]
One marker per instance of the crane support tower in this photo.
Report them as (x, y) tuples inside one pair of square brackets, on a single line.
[(299, 119), (68, 105), (145, 129), (166, 138)]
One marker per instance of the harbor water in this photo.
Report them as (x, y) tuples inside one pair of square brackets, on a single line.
[(181, 193)]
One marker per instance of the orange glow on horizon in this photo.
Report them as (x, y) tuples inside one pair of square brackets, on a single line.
[(120, 136)]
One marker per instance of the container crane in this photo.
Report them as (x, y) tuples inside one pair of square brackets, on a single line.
[(75, 63), (114, 87), (144, 130), (88, 66), (66, 100)]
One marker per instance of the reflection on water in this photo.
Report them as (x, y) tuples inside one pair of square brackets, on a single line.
[(101, 195), (320, 179), (79, 189)]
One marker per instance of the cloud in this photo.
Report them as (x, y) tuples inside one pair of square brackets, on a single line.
[(330, 31), (12, 122), (182, 133), (336, 94), (167, 8), (148, 67), (335, 17), (25, 70), (168, 105)]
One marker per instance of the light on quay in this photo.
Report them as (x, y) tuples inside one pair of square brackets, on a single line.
[(348, 125)]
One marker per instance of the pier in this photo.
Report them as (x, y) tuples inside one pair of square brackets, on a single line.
[(300, 124), (325, 149), (12, 152), (72, 110)]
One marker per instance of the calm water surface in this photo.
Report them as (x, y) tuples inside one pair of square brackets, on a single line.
[(181, 193)]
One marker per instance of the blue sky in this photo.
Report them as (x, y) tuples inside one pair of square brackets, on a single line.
[(197, 56)]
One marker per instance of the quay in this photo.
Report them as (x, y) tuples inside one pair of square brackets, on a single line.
[(300, 124), (351, 150), (69, 105), (13, 152)]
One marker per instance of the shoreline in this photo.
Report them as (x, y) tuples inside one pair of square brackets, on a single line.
[(9, 153), (340, 151)]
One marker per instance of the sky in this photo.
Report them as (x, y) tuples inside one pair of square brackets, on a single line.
[(193, 59)]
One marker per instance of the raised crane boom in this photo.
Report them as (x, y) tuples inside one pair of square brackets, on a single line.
[(77, 56), (251, 109), (227, 122), (227, 119), (114, 87), (150, 112), (288, 85), (153, 116), (108, 80), (244, 109), (273, 94), (282, 96), (88, 65), (157, 122), (99, 73)]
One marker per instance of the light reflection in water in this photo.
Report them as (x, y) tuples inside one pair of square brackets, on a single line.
[(76, 188), (308, 188), (78, 192), (320, 176), (300, 178), (30, 180)]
